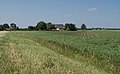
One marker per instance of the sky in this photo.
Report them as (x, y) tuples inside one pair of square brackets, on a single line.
[(93, 13)]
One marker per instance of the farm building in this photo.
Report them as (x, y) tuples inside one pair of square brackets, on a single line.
[(59, 27)]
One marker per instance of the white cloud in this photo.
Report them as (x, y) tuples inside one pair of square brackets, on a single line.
[(92, 9)]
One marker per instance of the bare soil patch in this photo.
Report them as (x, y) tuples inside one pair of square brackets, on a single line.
[(2, 33)]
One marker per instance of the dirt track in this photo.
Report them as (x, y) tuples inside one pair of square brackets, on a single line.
[(2, 33)]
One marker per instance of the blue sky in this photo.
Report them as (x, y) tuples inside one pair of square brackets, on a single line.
[(93, 13)]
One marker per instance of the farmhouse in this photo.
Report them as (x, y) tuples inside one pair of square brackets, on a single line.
[(59, 27)]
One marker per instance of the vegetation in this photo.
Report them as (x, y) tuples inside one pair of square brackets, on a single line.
[(6, 27), (83, 27), (50, 26), (31, 28), (22, 55), (70, 27), (1, 28), (41, 26), (91, 52), (13, 27), (101, 48)]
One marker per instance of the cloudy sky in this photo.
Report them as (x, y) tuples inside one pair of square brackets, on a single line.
[(93, 13)]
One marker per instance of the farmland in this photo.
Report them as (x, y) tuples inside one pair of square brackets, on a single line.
[(54, 52)]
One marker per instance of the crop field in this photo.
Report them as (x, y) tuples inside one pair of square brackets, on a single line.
[(60, 52)]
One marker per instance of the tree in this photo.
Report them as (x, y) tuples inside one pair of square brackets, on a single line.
[(70, 27), (50, 26), (13, 26), (1, 28), (6, 26), (17, 28), (31, 28), (83, 27), (41, 26)]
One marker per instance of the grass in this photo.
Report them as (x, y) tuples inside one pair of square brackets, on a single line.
[(32, 52)]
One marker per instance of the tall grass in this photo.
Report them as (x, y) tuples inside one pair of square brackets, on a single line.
[(26, 53), (100, 48)]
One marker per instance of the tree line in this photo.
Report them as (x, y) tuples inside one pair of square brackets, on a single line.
[(49, 26), (41, 26), (6, 27)]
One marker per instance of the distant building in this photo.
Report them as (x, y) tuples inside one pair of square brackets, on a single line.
[(59, 27)]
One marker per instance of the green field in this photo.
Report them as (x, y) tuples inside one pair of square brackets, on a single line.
[(54, 52)]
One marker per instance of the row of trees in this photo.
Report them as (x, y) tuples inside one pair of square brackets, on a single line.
[(41, 26), (49, 26), (7, 27)]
